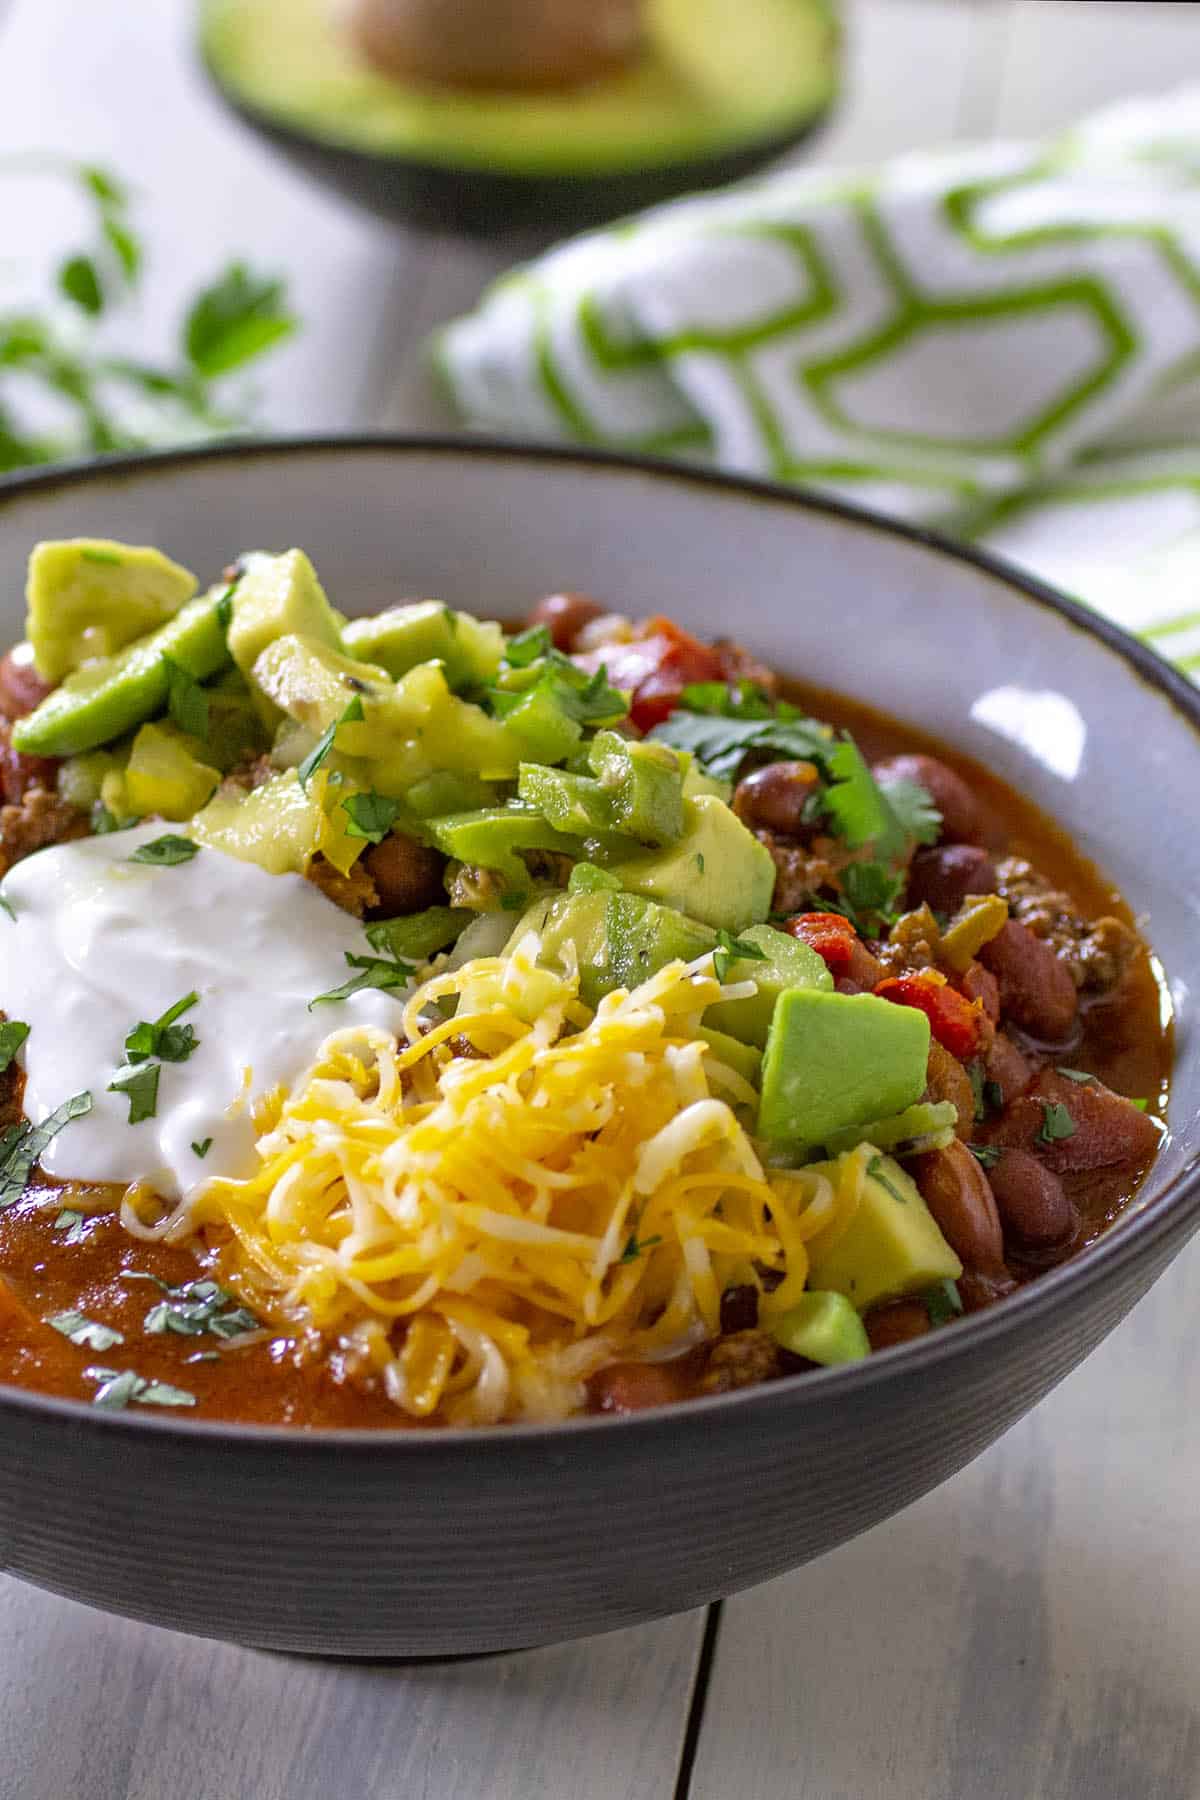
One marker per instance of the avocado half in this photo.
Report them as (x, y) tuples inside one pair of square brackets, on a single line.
[(721, 87)]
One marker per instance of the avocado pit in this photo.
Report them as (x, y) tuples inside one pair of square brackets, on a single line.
[(497, 44)]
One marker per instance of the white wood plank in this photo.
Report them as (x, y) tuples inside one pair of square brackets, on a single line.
[(1031, 1630), (1067, 57), (116, 82), (94, 1708)]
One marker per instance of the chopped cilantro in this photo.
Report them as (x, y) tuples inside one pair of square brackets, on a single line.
[(201, 1146), (139, 1083), (162, 1037), (877, 1172), (993, 1096), (370, 816), (7, 906), (720, 745), (527, 647), (22, 1145), (373, 972), (986, 1155), (943, 1303), (871, 890), (1057, 1123), (743, 700), (167, 851), (324, 744), (633, 1248), (13, 1033), (109, 558), (914, 806), (1079, 1075), (512, 901), (699, 862), (198, 1307), (730, 950), (89, 1334), (187, 702), (1142, 1104), (73, 1223), (119, 1387), (225, 605)]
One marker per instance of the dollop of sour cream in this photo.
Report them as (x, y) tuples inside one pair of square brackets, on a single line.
[(100, 943)]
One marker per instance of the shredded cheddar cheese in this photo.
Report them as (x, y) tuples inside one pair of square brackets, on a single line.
[(490, 1211)]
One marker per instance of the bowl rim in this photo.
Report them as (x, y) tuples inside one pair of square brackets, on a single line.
[(1127, 1241)]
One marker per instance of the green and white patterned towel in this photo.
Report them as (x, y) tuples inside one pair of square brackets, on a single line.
[(1003, 341)]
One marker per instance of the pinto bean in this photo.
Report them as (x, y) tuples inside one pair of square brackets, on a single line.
[(946, 1079), (566, 615), (896, 1324), (956, 1192), (963, 818), (1036, 990), (943, 877), (632, 1387), (864, 967), (980, 984), (773, 798), (1033, 1205), (1108, 1129), (21, 687), (407, 875)]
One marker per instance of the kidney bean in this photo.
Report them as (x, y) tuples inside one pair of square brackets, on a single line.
[(1108, 1129), (943, 877), (864, 967), (566, 615), (980, 984), (1036, 990), (773, 798), (1034, 1209), (1004, 1064), (898, 1323), (963, 818), (407, 875), (946, 1079), (976, 1290), (21, 687), (632, 1387), (739, 1308), (956, 1192)]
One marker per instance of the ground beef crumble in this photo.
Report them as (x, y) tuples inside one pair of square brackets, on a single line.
[(1096, 951)]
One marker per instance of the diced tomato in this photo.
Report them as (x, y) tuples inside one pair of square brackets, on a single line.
[(829, 934), (655, 668), (956, 1023)]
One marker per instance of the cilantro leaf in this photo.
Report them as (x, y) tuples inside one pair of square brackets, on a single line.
[(13, 1033), (120, 1387), (1057, 1123), (197, 1307), (234, 320), (166, 852), (202, 1146), (871, 891), (88, 1333), (73, 1223), (730, 950), (915, 809), (527, 646), (370, 816), (162, 1037), (22, 1145), (324, 744), (373, 972), (719, 699), (634, 1248), (720, 744), (139, 1083), (79, 280), (187, 702), (986, 1155), (7, 906), (877, 1172), (943, 1303), (1082, 1076)]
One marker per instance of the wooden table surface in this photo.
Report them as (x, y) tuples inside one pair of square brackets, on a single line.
[(1030, 1630)]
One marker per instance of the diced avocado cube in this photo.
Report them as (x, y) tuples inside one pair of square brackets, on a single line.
[(278, 596), (494, 837), (787, 963), (837, 1060), (929, 1125), (717, 872), (892, 1245), (235, 729), (643, 784), (824, 1327), (743, 1059), (314, 684), (103, 700), (166, 773), (89, 597), (278, 826), (543, 731), (619, 939), (427, 631), (574, 803), (421, 727), (421, 935)]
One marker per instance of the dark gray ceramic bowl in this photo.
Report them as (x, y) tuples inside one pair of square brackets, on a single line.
[(444, 1542)]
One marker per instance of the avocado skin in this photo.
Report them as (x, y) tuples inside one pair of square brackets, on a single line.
[(484, 203)]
